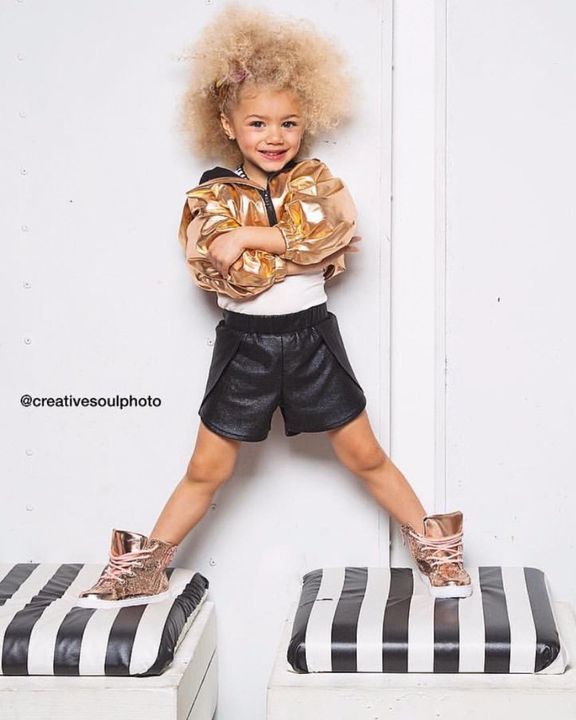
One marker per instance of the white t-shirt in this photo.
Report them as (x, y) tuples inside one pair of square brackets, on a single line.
[(294, 293)]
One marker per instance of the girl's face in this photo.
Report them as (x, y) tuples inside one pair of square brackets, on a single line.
[(268, 127)]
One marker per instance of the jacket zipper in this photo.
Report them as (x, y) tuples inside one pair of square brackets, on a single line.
[(270, 211), (265, 194)]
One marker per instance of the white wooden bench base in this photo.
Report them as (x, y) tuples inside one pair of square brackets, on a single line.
[(187, 690), (423, 696)]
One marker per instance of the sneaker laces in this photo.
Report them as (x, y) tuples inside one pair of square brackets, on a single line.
[(122, 564), (450, 547)]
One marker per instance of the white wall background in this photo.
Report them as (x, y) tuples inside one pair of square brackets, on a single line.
[(483, 396), (467, 359), (97, 301), (511, 253)]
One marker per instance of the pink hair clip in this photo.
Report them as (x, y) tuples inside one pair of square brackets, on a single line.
[(236, 76)]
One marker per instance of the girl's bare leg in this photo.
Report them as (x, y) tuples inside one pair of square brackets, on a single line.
[(211, 464), (358, 449)]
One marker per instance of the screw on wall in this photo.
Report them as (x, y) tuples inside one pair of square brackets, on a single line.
[(27, 341), (212, 562), (27, 284), (29, 451)]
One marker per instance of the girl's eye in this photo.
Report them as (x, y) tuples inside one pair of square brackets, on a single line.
[(258, 123)]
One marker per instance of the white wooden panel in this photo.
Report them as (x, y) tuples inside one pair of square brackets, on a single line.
[(511, 347), (416, 272)]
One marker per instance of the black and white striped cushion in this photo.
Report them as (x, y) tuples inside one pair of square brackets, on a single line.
[(42, 632), (379, 619)]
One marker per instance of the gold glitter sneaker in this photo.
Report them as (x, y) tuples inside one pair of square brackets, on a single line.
[(135, 573), (438, 554)]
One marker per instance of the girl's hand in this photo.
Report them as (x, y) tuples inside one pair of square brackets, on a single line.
[(224, 250), (297, 269)]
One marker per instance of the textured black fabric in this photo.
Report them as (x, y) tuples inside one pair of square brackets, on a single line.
[(296, 361)]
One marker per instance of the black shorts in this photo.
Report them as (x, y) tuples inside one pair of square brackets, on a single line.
[(296, 361)]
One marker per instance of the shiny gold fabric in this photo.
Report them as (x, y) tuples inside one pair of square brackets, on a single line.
[(316, 216)]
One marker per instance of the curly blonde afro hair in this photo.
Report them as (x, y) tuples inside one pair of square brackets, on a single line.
[(247, 45)]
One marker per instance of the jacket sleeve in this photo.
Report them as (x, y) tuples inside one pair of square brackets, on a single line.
[(335, 268), (318, 217), (208, 213)]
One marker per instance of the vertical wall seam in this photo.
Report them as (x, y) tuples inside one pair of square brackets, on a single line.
[(440, 254), (382, 256)]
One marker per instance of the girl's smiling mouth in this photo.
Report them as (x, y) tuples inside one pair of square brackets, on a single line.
[(272, 155)]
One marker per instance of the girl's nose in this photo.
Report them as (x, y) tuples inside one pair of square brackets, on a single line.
[(274, 135)]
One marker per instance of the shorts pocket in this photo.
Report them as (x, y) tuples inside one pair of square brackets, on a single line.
[(225, 347), (330, 333)]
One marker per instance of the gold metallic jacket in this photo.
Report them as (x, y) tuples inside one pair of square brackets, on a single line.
[(313, 210)]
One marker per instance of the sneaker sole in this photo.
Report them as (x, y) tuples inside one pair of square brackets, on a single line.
[(92, 602), (448, 591)]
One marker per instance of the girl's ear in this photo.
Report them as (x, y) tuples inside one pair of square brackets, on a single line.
[(227, 125)]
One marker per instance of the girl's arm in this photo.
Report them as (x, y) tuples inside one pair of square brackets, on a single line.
[(319, 215), (227, 248), (334, 260), (254, 237), (318, 218), (251, 271), (269, 239)]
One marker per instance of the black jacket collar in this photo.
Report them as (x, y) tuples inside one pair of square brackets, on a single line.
[(218, 172)]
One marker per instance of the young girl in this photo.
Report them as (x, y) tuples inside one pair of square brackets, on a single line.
[(265, 233)]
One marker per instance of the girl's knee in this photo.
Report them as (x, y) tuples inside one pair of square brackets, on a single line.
[(371, 458), (364, 458), (207, 472)]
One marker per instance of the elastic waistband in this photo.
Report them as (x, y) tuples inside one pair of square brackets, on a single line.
[(275, 323)]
